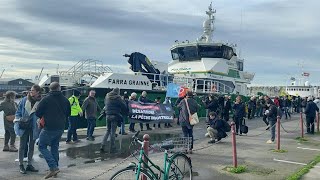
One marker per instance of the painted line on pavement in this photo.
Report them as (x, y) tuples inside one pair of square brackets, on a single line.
[(308, 149), (292, 162)]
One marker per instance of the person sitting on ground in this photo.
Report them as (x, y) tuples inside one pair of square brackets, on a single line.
[(216, 128)]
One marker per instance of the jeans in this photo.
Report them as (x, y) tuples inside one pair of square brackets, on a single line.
[(112, 122), (238, 122), (25, 146), (310, 124), (147, 125), (72, 129), (9, 133), (188, 133), (273, 129), (91, 126), (50, 138), (286, 112), (249, 113), (131, 126), (122, 131)]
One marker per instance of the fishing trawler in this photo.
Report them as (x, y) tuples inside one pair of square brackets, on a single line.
[(204, 66)]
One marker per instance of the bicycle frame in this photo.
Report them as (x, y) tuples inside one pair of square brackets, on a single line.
[(167, 161), (148, 167)]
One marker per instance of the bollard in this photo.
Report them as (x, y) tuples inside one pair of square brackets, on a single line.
[(317, 122), (301, 122), (234, 148), (146, 138), (278, 132)]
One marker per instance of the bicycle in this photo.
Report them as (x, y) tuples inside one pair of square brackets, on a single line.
[(176, 167)]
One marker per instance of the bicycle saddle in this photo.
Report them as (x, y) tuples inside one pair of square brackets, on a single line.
[(167, 146)]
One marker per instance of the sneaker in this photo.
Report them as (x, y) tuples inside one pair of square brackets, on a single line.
[(77, 141), (102, 148), (124, 133), (90, 139), (13, 148), (22, 169), (212, 141), (31, 168), (52, 173), (6, 148), (68, 142), (270, 142)]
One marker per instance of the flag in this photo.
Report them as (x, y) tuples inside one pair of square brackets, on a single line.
[(305, 74), (175, 90)]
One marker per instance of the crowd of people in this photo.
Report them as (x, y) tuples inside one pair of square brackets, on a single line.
[(41, 120)]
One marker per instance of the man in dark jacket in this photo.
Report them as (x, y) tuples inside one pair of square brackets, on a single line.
[(239, 113), (143, 99), (90, 106), (272, 113), (115, 108), (226, 108), (216, 128), (311, 110), (211, 104), (55, 109)]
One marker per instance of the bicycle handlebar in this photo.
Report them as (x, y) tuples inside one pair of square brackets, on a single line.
[(136, 139)]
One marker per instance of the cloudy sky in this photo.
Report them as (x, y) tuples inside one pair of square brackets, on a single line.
[(274, 35)]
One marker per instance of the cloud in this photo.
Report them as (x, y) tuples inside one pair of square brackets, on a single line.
[(273, 35)]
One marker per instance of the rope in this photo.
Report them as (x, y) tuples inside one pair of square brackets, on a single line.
[(256, 135), (294, 131)]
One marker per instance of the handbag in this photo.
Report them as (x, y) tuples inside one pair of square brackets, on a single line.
[(193, 118), (244, 128), (25, 122), (10, 118)]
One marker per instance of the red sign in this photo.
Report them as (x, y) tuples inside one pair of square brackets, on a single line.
[(305, 74)]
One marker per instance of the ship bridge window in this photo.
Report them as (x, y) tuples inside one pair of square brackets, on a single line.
[(223, 51), (187, 53), (240, 65)]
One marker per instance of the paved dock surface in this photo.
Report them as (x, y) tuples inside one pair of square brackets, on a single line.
[(84, 160)]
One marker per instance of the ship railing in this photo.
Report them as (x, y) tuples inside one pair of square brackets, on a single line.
[(160, 82)]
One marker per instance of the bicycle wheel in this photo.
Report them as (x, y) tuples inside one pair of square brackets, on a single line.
[(180, 167), (129, 173)]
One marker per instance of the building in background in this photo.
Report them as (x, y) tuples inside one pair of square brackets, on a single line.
[(18, 85)]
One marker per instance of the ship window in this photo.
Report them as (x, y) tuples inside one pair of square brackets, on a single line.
[(223, 51), (240, 65), (187, 53)]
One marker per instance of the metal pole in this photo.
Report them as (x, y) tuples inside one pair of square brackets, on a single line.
[(234, 148), (317, 122), (278, 132), (146, 138), (301, 122)]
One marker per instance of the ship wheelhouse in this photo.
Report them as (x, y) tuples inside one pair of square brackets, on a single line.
[(194, 52)]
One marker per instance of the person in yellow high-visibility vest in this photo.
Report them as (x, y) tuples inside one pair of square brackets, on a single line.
[(76, 112)]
